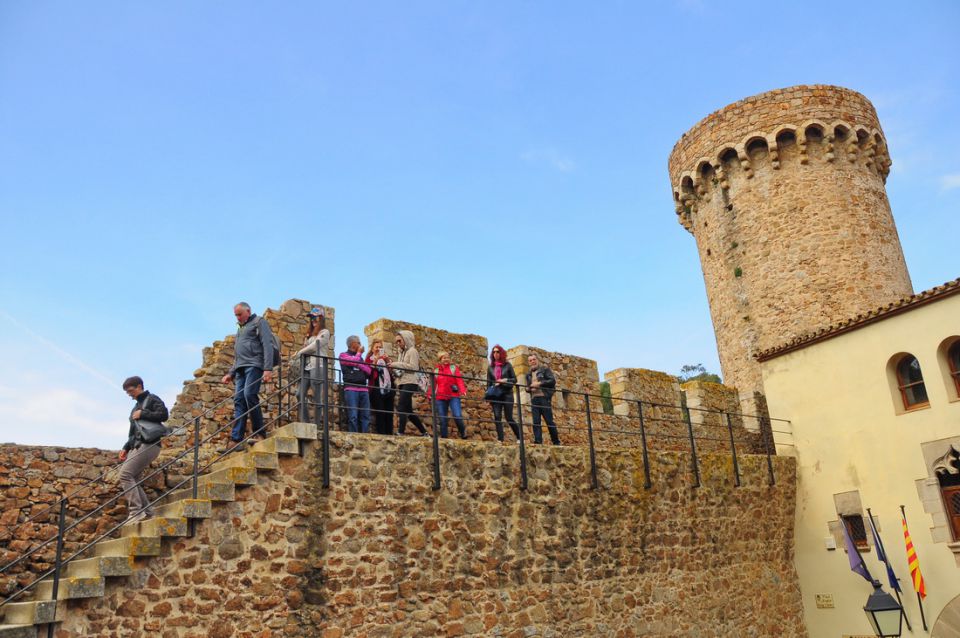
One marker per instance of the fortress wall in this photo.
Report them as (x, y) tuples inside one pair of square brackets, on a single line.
[(481, 557), (380, 554)]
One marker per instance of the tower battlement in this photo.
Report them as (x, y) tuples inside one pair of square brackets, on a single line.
[(785, 195)]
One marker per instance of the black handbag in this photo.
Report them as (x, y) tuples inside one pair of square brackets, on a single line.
[(151, 432), (495, 393)]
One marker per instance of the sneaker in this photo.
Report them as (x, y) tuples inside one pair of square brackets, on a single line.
[(233, 446), (135, 518)]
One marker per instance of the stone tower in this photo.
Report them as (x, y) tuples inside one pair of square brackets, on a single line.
[(784, 193)]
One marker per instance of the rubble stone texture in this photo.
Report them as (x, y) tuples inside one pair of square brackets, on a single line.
[(784, 193), (381, 554), (33, 479), (480, 557)]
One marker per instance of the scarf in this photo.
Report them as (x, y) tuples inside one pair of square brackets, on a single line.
[(386, 383)]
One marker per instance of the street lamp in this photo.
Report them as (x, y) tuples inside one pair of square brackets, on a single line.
[(884, 612)]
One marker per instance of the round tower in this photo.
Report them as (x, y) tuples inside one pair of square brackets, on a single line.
[(784, 193)]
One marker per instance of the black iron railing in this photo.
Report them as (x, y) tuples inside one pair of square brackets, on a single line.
[(723, 425)]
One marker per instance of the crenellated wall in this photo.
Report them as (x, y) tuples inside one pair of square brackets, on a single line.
[(784, 193)]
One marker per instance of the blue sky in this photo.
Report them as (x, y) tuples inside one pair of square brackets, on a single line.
[(495, 167)]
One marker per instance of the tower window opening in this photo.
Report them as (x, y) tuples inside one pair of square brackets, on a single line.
[(757, 147), (814, 133), (786, 138)]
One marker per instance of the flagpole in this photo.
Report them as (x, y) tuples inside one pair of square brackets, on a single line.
[(923, 618), (882, 551)]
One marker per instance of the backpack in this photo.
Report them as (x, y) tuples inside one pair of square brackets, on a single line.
[(352, 374), (276, 344)]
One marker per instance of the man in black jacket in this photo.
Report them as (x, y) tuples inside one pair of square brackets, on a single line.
[(541, 384), (137, 455)]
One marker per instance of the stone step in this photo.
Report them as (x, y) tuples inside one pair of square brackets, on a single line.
[(219, 492), (252, 458), (297, 429), (234, 475), (72, 587), (278, 444), (129, 546), (34, 612), (188, 508), (156, 526), (100, 567), (18, 631)]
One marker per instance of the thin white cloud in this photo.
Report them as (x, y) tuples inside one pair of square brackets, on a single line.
[(950, 182), (61, 352), (549, 157)]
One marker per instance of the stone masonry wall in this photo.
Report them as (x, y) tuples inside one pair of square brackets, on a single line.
[(380, 554), (784, 193), (480, 557), (33, 479), (241, 576)]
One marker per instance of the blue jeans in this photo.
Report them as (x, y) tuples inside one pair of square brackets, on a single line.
[(453, 406), (540, 406), (358, 408), (246, 400)]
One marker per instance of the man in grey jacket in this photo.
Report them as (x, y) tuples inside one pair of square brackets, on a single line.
[(253, 363)]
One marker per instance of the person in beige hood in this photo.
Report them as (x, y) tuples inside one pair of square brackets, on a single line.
[(405, 367)]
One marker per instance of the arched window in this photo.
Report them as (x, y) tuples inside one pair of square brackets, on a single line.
[(910, 383), (953, 361)]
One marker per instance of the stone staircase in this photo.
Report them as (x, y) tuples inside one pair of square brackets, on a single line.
[(117, 557)]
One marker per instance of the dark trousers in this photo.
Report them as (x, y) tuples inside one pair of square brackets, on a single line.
[(405, 408), (246, 401), (503, 409), (382, 406), (540, 406)]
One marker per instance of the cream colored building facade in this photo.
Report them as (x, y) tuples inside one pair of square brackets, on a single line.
[(861, 444)]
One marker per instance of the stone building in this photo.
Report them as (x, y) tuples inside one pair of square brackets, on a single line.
[(784, 193)]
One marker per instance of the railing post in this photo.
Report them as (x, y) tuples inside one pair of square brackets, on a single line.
[(58, 562), (315, 390), (593, 455), (733, 451), (647, 483), (325, 406), (522, 445), (436, 431), (693, 448), (766, 428), (191, 523), (279, 394)]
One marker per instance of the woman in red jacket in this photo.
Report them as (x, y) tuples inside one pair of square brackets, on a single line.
[(449, 389)]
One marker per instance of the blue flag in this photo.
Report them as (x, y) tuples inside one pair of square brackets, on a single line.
[(853, 554), (882, 555)]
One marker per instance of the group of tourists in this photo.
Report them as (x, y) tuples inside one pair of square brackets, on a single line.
[(376, 385), (380, 385)]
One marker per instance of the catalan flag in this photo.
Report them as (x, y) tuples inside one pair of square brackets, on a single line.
[(914, 563)]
